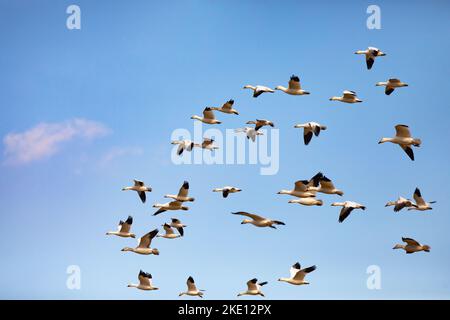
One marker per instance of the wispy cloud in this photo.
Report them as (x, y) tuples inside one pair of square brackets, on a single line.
[(117, 152), (45, 139)]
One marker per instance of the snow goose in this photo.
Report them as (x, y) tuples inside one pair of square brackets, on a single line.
[(298, 274), (178, 225), (311, 201), (208, 117), (347, 97), (207, 144), (169, 232), (420, 204), (145, 282), (227, 107), (182, 194), (371, 53), (258, 90), (140, 188), (144, 243), (173, 205), (390, 85), (347, 208), (253, 288), (294, 87), (227, 190), (250, 132), (326, 186), (258, 220), (124, 229), (301, 188), (412, 246), (192, 289), (259, 123), (403, 139), (399, 204), (309, 129), (183, 145)]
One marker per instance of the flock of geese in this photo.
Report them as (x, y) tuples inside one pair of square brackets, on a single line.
[(304, 192)]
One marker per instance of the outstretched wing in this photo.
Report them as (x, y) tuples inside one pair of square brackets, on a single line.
[(124, 227), (302, 273), (409, 151), (168, 229), (345, 212), (301, 185), (142, 196), (252, 284), (208, 113), (402, 131), (146, 240), (250, 215), (418, 197), (138, 183), (294, 83), (294, 269), (184, 190), (411, 241), (191, 284), (228, 105)]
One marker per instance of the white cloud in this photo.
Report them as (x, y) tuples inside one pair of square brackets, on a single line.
[(117, 152), (45, 139)]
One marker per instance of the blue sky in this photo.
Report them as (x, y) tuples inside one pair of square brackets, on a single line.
[(134, 73)]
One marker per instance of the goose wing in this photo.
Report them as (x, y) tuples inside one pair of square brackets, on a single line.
[(301, 185), (124, 227), (369, 61), (349, 94), (142, 196), (207, 142), (409, 151), (402, 131), (411, 241), (252, 284), (138, 183), (191, 284), (250, 215), (184, 190), (144, 278), (294, 83), (326, 183), (168, 229), (307, 135), (300, 275), (418, 197), (314, 181), (294, 269), (208, 113), (228, 105), (146, 240), (345, 212)]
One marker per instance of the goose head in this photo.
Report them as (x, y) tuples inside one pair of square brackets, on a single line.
[(246, 221), (155, 252), (426, 248)]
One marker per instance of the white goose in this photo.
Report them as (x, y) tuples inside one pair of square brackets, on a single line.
[(187, 145), (253, 288), (399, 204), (140, 188), (412, 246), (371, 53), (347, 97), (169, 232), (173, 205), (294, 87), (123, 229), (390, 85), (182, 194), (420, 204), (176, 223), (298, 275), (207, 144), (259, 123), (145, 282), (192, 289), (403, 139), (227, 190), (144, 244), (250, 132), (208, 117), (301, 188), (347, 208), (227, 107), (311, 201), (258, 221), (309, 129), (258, 90), (326, 186)]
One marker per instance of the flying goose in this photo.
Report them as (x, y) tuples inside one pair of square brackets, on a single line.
[(347, 208), (390, 85), (301, 189), (169, 232), (258, 220), (182, 194), (183, 145), (250, 132), (192, 289), (258, 90), (227, 107), (140, 188), (309, 128), (123, 229), (412, 246), (178, 225), (227, 190), (326, 186), (347, 97), (145, 282), (144, 244), (399, 204), (208, 117), (403, 139), (420, 204), (298, 274), (311, 201), (253, 288), (371, 53), (259, 123), (207, 143), (294, 87), (173, 205)]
